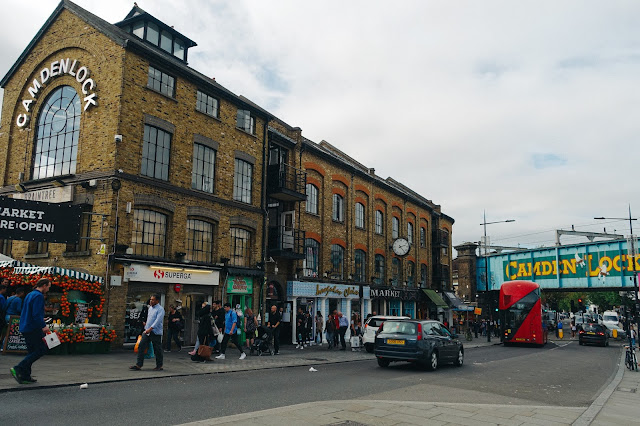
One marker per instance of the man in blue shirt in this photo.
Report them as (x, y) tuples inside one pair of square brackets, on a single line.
[(3, 299), (33, 328), (14, 303), (230, 330), (152, 334)]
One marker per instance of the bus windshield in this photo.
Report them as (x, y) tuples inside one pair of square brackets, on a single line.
[(515, 315)]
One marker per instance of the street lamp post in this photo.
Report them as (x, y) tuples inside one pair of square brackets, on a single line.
[(486, 265), (630, 252)]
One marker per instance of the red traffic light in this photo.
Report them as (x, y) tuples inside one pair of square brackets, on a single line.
[(579, 300)]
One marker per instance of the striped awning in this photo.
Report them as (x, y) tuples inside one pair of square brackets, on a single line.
[(28, 269)]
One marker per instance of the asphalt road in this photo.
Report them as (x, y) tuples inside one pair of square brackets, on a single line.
[(568, 375)]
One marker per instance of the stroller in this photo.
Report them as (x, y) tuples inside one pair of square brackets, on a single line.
[(262, 343)]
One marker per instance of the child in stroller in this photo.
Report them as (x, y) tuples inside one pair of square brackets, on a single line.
[(262, 343)]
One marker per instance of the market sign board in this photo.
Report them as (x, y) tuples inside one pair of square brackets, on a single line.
[(14, 343), (48, 195), (37, 221), (170, 275), (239, 285), (322, 290), (592, 265)]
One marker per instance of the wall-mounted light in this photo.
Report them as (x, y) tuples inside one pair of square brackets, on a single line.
[(20, 187), (180, 254)]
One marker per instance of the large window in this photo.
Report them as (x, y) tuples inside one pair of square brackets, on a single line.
[(411, 274), (85, 234), (161, 82), (156, 150), (312, 199), (242, 181), (379, 222), (246, 121), (360, 216), (360, 272), (207, 104), (56, 149), (337, 261), (396, 272), (423, 276), (199, 241), (395, 227), (38, 247), (379, 270), (149, 233), (240, 247), (410, 232), (311, 256), (338, 208), (423, 237), (204, 167)]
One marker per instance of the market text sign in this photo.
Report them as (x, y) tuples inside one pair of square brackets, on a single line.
[(240, 285), (34, 221), (170, 275), (58, 68), (591, 265)]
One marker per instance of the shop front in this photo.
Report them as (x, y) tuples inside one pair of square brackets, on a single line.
[(395, 301), (435, 307), (185, 288), (326, 297), (240, 295)]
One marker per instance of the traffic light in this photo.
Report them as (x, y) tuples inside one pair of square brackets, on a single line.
[(573, 306)]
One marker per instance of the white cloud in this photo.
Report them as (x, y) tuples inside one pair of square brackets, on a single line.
[(454, 99)]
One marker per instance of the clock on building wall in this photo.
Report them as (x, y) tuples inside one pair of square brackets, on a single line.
[(401, 247)]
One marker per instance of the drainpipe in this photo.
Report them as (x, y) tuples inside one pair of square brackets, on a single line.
[(263, 206)]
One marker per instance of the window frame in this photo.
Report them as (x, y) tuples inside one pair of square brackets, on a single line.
[(423, 275), (312, 257), (143, 248), (247, 117), (360, 266), (410, 232), (193, 253), (152, 78), (147, 160), (396, 272), (83, 244), (242, 193), (423, 237), (240, 257), (337, 261), (379, 268), (360, 219), (337, 211), (395, 227), (197, 179), (411, 274), (379, 222), (311, 205), (202, 99)]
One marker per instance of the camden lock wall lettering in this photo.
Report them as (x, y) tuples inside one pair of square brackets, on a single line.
[(58, 68)]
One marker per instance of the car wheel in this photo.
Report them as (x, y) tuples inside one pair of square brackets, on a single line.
[(369, 347), (384, 363), (580, 343), (460, 359), (432, 364)]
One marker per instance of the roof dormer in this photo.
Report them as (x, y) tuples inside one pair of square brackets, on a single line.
[(155, 32)]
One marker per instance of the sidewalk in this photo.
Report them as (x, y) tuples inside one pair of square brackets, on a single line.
[(64, 370)]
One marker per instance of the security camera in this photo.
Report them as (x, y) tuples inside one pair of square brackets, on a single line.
[(118, 138)]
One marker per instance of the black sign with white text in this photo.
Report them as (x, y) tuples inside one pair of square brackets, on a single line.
[(35, 221)]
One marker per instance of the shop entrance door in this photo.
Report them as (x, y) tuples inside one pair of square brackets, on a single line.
[(239, 302), (192, 303)]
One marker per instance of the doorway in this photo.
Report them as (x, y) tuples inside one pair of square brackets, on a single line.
[(192, 303)]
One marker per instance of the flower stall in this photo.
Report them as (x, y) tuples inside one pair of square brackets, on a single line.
[(75, 304)]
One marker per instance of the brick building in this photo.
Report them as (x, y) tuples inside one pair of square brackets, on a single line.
[(196, 193)]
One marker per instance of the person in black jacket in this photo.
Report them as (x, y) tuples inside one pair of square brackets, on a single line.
[(218, 314), (205, 331), (176, 324)]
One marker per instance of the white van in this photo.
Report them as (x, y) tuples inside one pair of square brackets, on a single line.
[(610, 318), (371, 325)]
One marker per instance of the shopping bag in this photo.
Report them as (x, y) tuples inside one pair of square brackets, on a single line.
[(355, 342), (205, 351), (148, 354), (51, 340), (220, 337), (135, 348)]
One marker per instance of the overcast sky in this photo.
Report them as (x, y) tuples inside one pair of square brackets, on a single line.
[(529, 110)]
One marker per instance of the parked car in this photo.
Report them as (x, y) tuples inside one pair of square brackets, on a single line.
[(621, 333), (610, 318), (371, 325), (593, 333), (427, 343)]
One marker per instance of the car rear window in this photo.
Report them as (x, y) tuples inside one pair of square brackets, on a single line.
[(592, 327), (400, 327), (375, 322), (610, 318)]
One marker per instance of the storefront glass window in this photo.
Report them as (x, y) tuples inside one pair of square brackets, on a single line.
[(409, 309), (394, 307), (360, 260), (337, 261), (57, 134), (311, 252), (240, 247), (149, 233), (379, 270), (199, 240), (135, 315)]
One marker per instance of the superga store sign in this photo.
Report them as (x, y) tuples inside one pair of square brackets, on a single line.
[(68, 66), (169, 275)]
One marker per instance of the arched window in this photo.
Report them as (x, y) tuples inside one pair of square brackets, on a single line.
[(411, 274), (149, 234), (312, 199), (360, 260), (338, 208), (395, 227), (396, 276), (311, 256), (57, 134), (200, 237), (360, 215), (379, 270), (379, 222), (337, 261), (423, 276), (410, 232), (423, 237)]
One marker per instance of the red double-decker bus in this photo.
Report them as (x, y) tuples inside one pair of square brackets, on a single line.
[(521, 313)]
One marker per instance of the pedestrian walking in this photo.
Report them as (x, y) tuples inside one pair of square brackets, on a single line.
[(319, 327), (4, 287), (274, 325), (573, 328), (152, 334), (331, 331), (33, 328), (308, 328), (250, 326), (230, 332), (218, 315), (336, 334), (342, 330), (175, 324), (476, 328), (299, 329)]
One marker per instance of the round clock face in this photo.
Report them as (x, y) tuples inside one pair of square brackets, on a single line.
[(401, 247)]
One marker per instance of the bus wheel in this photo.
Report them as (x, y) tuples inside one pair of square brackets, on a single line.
[(432, 364)]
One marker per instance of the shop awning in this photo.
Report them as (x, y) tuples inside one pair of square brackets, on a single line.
[(435, 298), (455, 302), (27, 269)]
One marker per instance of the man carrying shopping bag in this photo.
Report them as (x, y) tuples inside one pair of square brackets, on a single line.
[(152, 335)]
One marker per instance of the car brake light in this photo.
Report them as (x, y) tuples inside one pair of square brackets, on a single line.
[(600, 333), (581, 331), (419, 331)]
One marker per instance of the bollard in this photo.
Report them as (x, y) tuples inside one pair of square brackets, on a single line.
[(614, 333), (560, 333)]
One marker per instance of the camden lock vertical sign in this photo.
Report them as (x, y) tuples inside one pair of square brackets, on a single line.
[(35, 221)]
